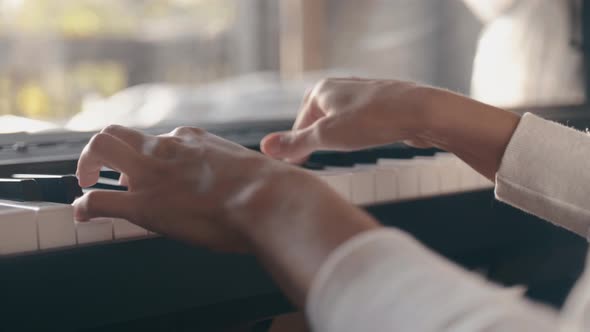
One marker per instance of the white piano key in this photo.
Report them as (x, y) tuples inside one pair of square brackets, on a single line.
[(363, 187), (123, 229), (385, 185), (95, 230), (407, 184), (406, 176), (428, 175), (338, 181), (450, 174), (55, 222), (485, 182), (469, 177), (362, 183), (18, 230), (429, 183)]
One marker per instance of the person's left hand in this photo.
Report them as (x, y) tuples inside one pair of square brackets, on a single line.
[(189, 184)]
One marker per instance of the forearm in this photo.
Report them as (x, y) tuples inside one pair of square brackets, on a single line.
[(475, 132)]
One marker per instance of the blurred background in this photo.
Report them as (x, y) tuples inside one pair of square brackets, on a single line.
[(83, 64)]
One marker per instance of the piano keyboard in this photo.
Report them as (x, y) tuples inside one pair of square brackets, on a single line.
[(391, 180), (29, 227)]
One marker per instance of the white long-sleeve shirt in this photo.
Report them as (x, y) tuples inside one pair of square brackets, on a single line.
[(384, 280)]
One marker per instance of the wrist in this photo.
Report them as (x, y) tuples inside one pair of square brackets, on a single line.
[(476, 132), (287, 201), (439, 117), (300, 221), (418, 112), (257, 202)]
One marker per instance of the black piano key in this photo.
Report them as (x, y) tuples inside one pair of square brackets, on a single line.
[(331, 158), (312, 166), (109, 179), (426, 152), (20, 190), (55, 188), (367, 156), (108, 184), (110, 174)]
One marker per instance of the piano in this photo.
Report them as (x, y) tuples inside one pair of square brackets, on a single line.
[(111, 275)]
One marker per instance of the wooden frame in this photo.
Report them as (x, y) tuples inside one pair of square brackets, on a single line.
[(301, 37)]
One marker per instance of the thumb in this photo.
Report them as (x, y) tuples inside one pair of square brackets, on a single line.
[(105, 203), (293, 145)]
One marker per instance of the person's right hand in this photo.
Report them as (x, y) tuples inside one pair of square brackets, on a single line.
[(196, 187), (350, 114)]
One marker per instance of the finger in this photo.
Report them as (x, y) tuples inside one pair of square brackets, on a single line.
[(105, 203), (134, 138), (310, 113), (106, 150), (296, 145)]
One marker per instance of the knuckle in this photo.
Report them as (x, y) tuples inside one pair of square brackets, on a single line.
[(169, 141), (322, 92), (167, 146), (199, 131), (113, 128), (182, 131), (322, 85), (98, 141)]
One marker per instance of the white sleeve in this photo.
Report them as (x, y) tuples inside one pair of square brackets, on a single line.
[(384, 280), (546, 171)]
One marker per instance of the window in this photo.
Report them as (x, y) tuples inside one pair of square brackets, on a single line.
[(82, 64), (62, 56)]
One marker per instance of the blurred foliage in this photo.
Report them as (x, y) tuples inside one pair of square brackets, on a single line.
[(33, 101), (106, 77), (84, 18), (55, 86)]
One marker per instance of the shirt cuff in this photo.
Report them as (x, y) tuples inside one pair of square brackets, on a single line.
[(545, 171)]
